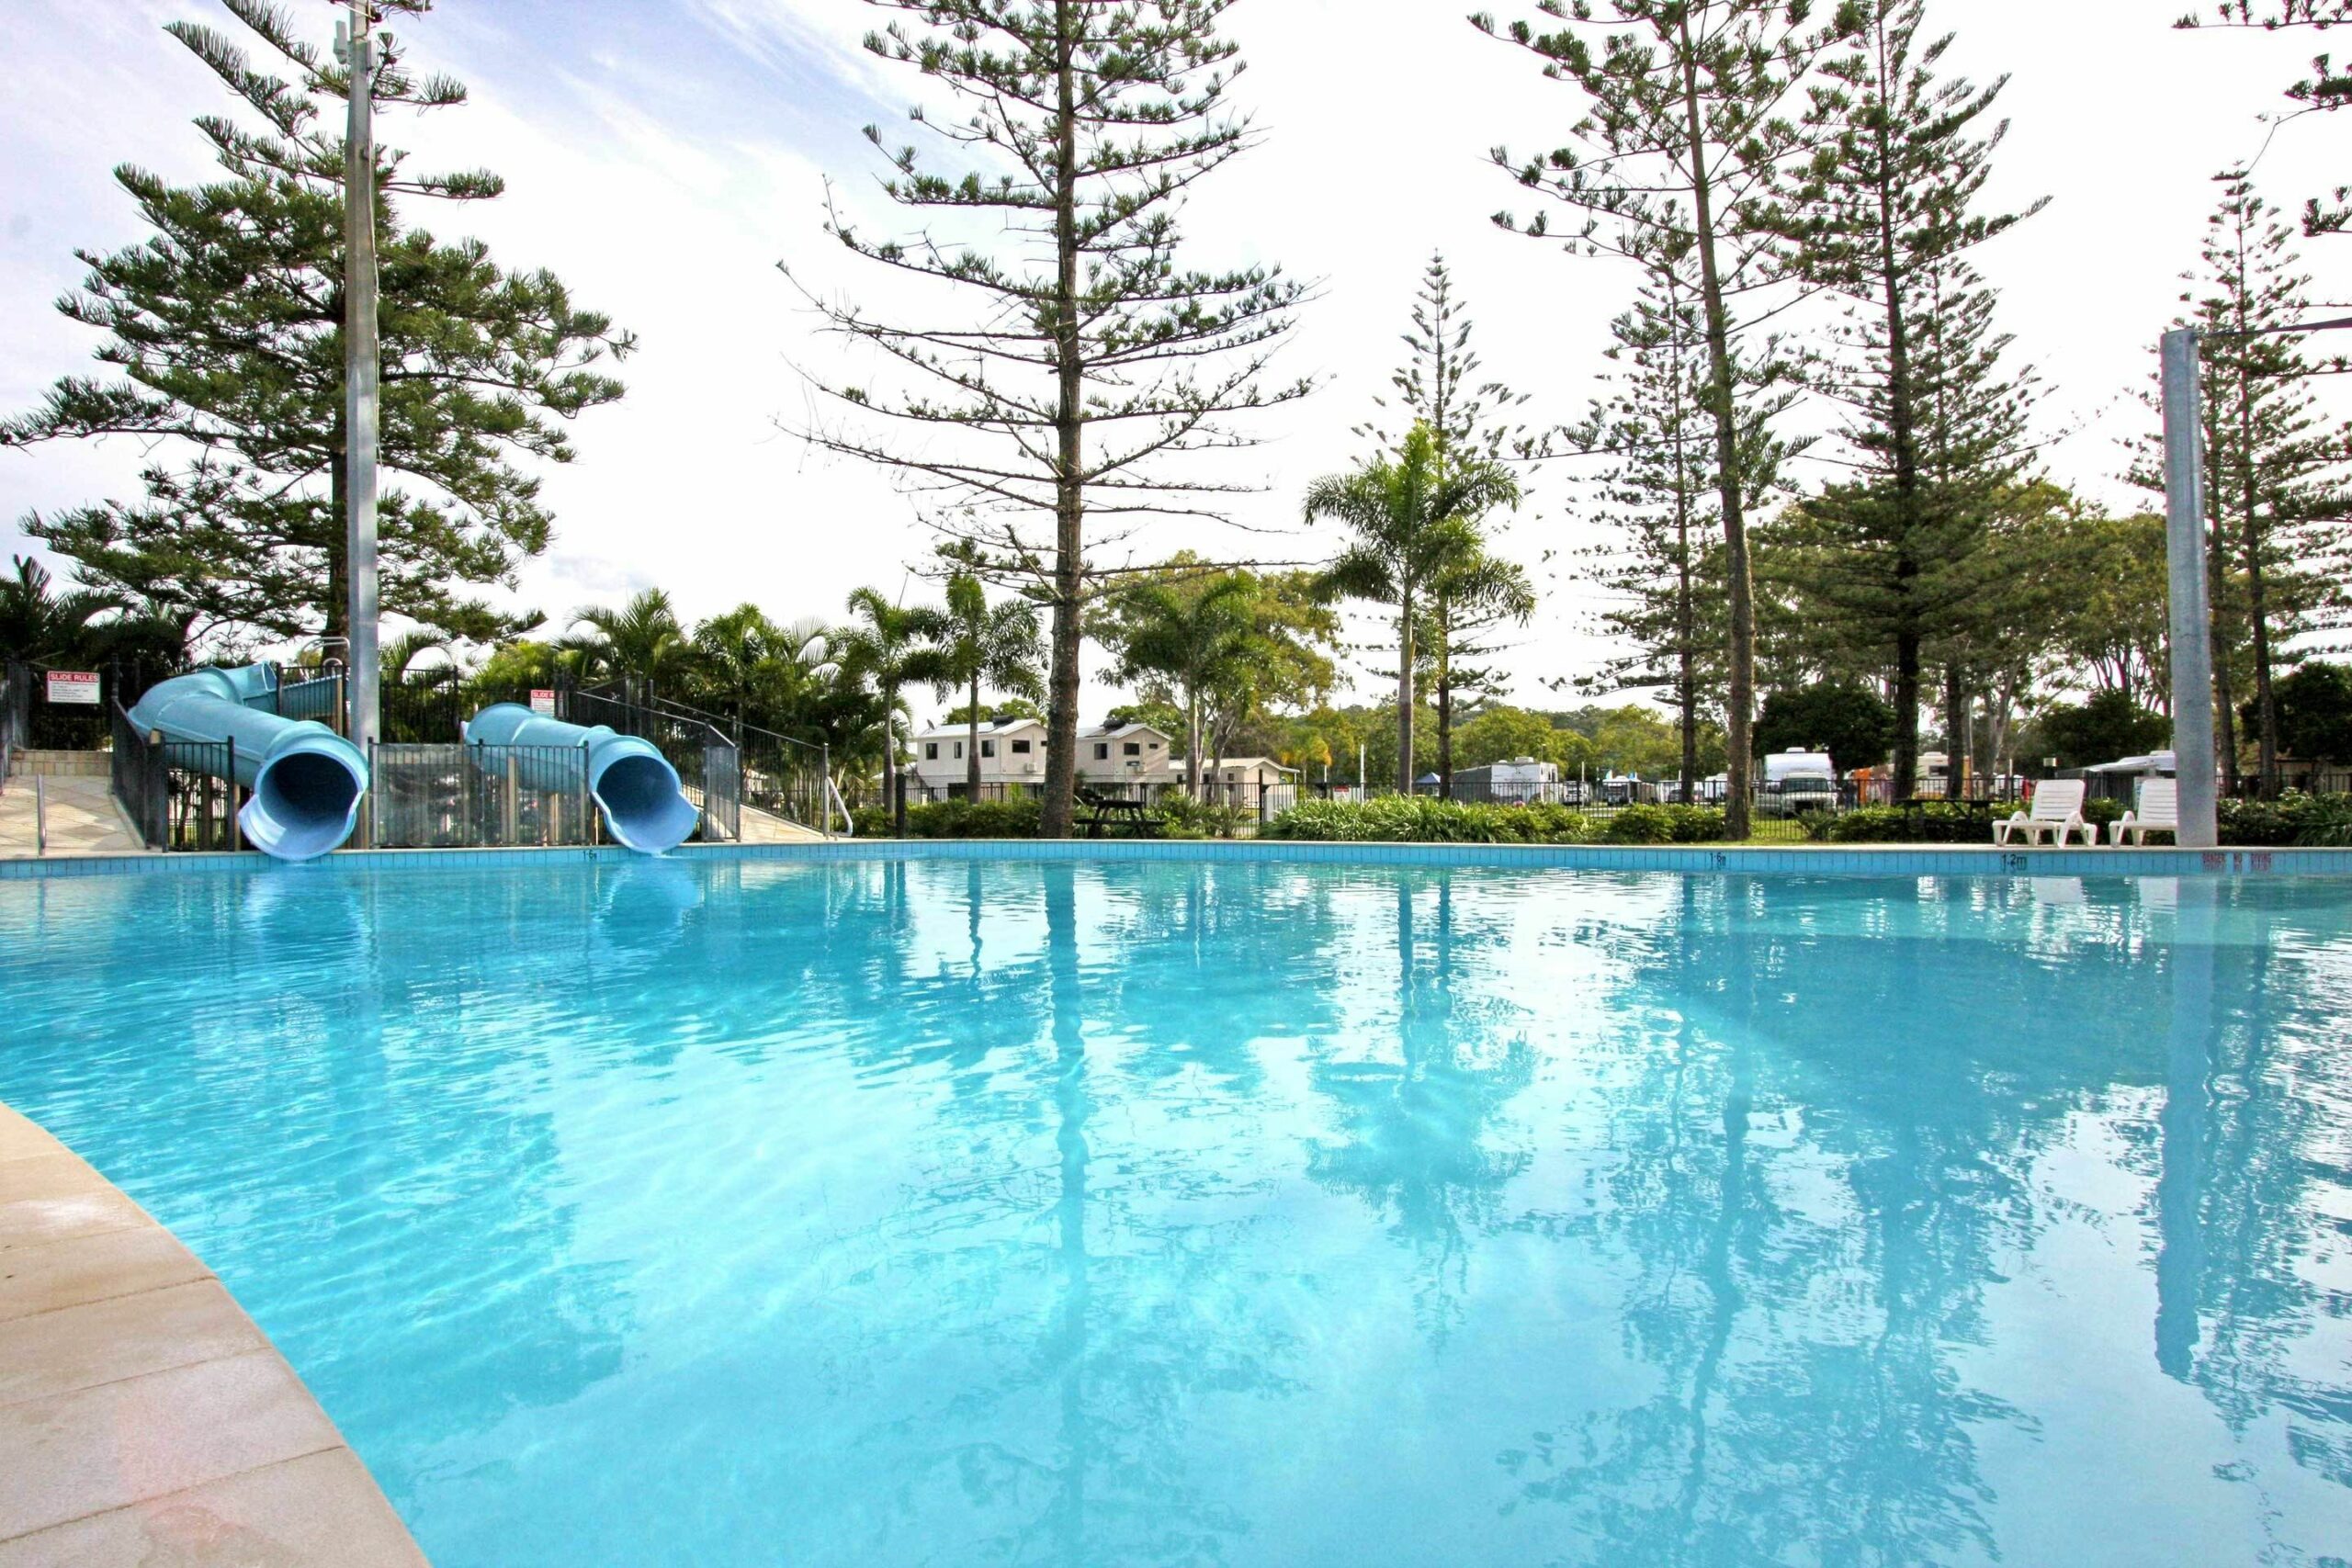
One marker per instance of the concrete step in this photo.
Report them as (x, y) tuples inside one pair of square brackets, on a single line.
[(28, 764)]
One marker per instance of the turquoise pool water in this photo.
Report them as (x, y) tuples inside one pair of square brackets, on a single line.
[(1252, 1213)]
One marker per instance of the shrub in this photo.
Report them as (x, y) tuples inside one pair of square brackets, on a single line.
[(2293, 819), (1929, 822), (955, 819), (1402, 819), (1181, 817), (1933, 822), (1665, 824)]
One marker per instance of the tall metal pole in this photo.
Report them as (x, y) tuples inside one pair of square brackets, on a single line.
[(2192, 646), (361, 369)]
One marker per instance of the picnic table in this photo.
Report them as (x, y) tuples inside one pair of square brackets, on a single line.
[(1112, 811)]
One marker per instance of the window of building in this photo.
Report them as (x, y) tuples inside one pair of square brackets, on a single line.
[(1134, 749), (931, 750), (959, 751), (987, 748), (1101, 752), (1021, 748)]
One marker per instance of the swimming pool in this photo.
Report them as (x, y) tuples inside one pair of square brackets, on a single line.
[(1251, 1213)]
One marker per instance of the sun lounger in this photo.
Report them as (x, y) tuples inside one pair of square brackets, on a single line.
[(2157, 812), (2057, 811)]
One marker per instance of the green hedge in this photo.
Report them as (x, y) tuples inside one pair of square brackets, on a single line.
[(2291, 820), (956, 819), (1665, 825), (2294, 818), (1419, 820), (1935, 822)]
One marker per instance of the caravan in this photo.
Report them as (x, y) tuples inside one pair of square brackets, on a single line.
[(1523, 781), (1797, 780)]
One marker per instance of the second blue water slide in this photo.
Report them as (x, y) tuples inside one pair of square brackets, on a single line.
[(306, 780), (636, 788)]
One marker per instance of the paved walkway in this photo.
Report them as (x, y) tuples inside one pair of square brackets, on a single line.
[(759, 828), (145, 1420), (83, 818)]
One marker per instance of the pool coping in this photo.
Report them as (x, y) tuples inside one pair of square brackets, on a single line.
[(143, 1415), (1852, 860)]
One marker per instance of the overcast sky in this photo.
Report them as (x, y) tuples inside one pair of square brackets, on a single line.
[(664, 155)]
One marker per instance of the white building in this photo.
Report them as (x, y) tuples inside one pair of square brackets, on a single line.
[(1010, 753), (1131, 758)]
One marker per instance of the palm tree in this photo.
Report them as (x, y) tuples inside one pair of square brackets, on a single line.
[(808, 678), (395, 656), (639, 643), (976, 644), (38, 624), (884, 644), (1197, 635), (1468, 597), (1414, 517), (737, 668)]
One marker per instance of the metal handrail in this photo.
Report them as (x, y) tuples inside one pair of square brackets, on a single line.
[(610, 692)]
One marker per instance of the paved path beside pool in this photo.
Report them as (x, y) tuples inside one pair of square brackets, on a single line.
[(83, 818), (145, 1420)]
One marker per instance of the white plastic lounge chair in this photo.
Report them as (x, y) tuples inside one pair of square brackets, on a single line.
[(2158, 812), (2057, 810)]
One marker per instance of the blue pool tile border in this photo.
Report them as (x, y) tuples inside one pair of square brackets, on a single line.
[(1888, 861)]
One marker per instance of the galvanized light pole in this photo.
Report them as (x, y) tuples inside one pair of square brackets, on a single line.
[(361, 370), (2192, 646)]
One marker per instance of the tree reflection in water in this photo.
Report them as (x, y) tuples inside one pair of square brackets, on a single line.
[(887, 1213)]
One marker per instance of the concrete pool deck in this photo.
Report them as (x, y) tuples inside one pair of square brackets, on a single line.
[(144, 1419)]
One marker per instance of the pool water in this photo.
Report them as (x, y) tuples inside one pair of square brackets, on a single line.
[(1251, 1213)]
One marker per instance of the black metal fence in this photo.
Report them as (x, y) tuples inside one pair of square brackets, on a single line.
[(710, 764), (16, 700), (455, 796), (180, 795), (42, 724), (312, 692), (424, 708)]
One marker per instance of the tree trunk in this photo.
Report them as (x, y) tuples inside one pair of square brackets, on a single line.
[(894, 784), (2225, 724), (1192, 743), (1740, 700), (1956, 731), (1405, 693), (1686, 637), (1444, 704), (972, 744), (1070, 480), (2257, 606), (336, 619), (1901, 428), (1904, 780)]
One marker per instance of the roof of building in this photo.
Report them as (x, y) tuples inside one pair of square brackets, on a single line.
[(960, 731)]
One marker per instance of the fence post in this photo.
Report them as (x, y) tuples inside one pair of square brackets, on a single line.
[(509, 815), (580, 800), (229, 786), (825, 787)]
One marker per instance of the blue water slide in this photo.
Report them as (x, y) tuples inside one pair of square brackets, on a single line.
[(305, 781), (635, 786)]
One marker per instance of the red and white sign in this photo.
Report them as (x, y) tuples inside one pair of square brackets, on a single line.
[(77, 688), (542, 701)]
